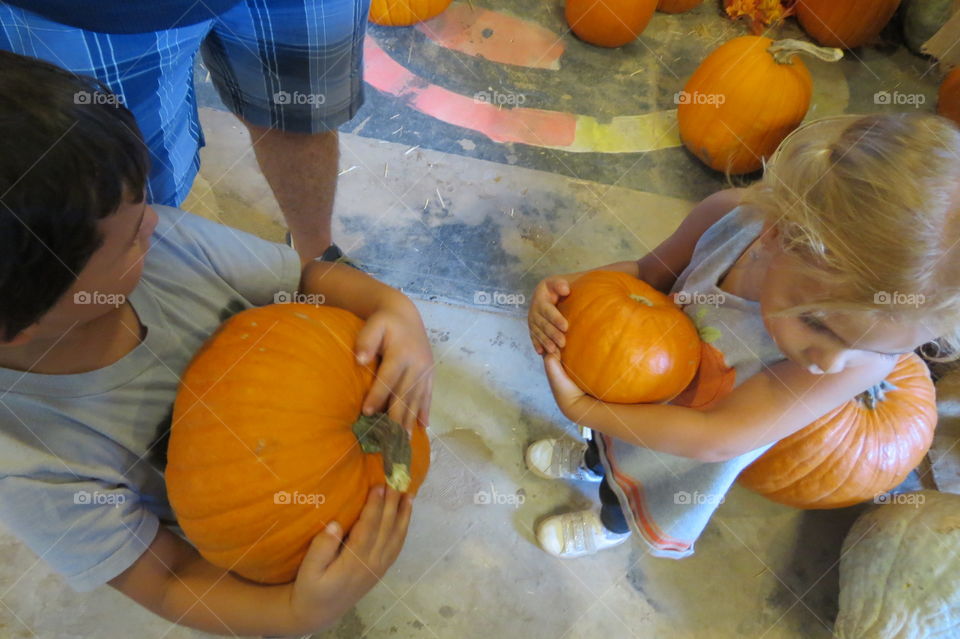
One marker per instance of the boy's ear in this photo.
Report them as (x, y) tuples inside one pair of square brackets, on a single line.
[(20, 338)]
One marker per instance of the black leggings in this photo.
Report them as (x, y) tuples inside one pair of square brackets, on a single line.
[(611, 514)]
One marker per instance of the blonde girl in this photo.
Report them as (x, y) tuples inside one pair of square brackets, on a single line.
[(813, 282)]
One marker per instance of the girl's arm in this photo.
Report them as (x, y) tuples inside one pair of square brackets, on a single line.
[(774, 403), (661, 267)]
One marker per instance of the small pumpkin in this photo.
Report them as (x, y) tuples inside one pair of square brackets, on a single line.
[(900, 571), (611, 23), (948, 102), (844, 23), (857, 451), (677, 6), (627, 342), (403, 13), (744, 99), (268, 446), (713, 381)]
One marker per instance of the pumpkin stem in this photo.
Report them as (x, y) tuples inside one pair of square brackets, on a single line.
[(380, 434), (641, 299), (875, 394), (784, 50)]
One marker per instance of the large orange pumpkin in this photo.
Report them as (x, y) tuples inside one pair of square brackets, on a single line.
[(264, 448), (677, 6), (856, 452), (948, 103), (627, 342), (844, 23), (610, 23), (744, 99), (403, 13)]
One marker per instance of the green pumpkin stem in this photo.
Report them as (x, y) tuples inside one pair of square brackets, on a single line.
[(641, 299), (874, 396), (380, 434), (784, 50)]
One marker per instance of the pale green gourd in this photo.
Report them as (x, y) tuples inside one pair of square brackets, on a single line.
[(900, 570)]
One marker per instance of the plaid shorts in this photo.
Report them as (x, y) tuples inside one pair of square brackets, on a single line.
[(294, 65)]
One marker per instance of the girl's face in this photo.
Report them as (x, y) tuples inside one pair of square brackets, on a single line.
[(834, 340)]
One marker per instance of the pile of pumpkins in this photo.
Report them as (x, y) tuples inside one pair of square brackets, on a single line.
[(765, 87)]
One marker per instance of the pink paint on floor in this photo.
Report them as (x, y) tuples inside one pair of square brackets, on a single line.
[(537, 127), (495, 36)]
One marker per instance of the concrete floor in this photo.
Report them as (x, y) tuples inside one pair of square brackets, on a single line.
[(449, 215)]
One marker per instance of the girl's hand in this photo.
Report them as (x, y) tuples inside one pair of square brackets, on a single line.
[(547, 325), (405, 375), (573, 402)]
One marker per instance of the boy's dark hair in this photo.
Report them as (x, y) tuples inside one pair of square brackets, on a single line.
[(71, 154)]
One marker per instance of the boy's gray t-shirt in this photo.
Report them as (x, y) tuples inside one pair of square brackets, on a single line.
[(82, 455)]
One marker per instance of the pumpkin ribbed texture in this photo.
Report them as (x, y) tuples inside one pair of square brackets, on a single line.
[(844, 23), (627, 342), (855, 452), (265, 408)]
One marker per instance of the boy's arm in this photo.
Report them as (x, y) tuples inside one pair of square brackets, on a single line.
[(349, 288), (769, 406), (394, 330), (172, 580)]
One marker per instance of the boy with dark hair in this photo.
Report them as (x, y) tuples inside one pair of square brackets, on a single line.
[(103, 301)]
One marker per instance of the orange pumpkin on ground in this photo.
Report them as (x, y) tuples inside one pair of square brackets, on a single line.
[(948, 103), (403, 13), (677, 6), (856, 452), (744, 99), (844, 23), (610, 23), (264, 448), (627, 342)]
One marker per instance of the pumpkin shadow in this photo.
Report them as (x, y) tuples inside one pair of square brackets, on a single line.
[(812, 572)]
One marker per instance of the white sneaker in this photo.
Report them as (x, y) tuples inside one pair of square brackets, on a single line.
[(576, 534), (559, 459)]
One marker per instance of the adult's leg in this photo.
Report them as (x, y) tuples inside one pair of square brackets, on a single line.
[(291, 70), (152, 73), (301, 169)]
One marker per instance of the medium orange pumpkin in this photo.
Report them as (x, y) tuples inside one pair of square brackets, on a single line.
[(610, 23), (948, 103), (744, 99), (856, 452), (627, 342), (403, 13), (677, 6), (844, 23), (264, 448)]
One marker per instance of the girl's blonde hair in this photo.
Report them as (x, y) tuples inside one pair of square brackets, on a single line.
[(871, 206)]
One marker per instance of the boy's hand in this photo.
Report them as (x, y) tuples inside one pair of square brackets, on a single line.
[(405, 375), (545, 321), (573, 402), (332, 578)]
